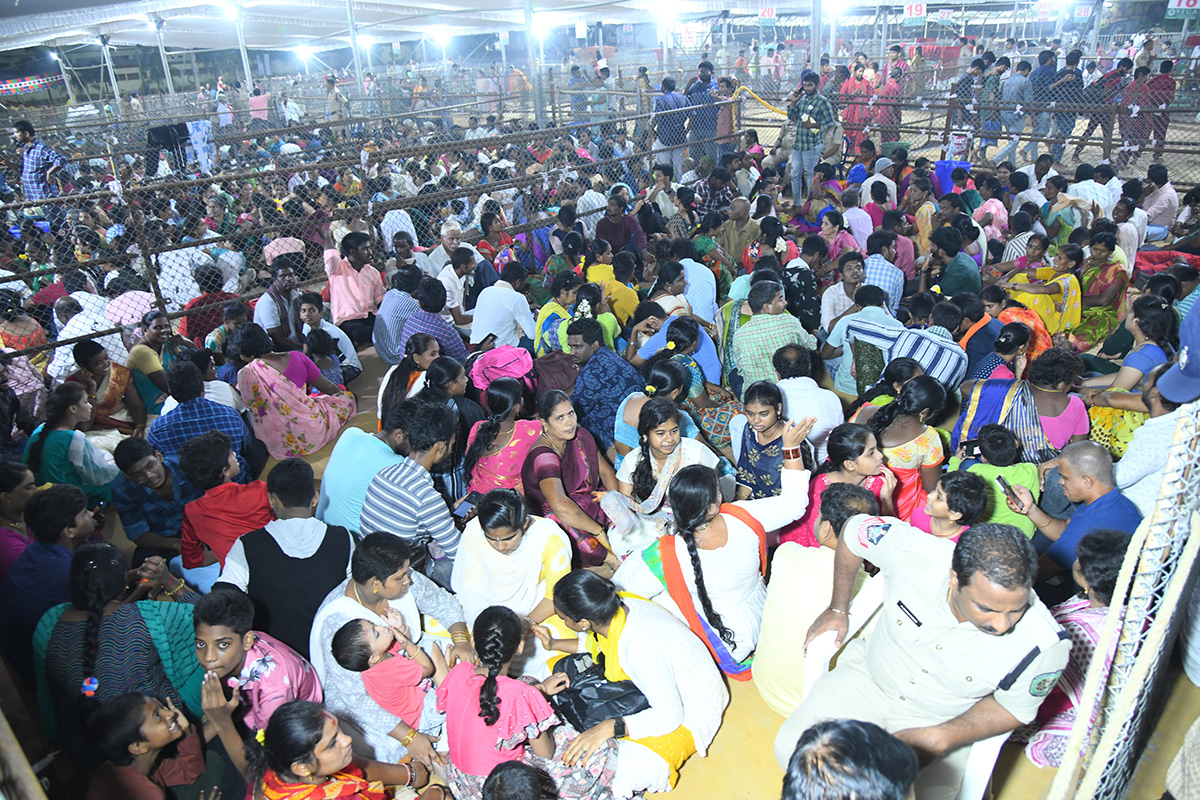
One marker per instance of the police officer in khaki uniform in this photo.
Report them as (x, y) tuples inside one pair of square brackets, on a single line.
[(963, 649)]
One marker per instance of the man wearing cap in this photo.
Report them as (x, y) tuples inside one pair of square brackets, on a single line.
[(813, 115), (963, 649), (885, 168)]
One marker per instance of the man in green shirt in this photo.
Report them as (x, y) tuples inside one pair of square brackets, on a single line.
[(959, 272), (813, 115)]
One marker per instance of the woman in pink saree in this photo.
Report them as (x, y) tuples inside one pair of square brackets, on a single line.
[(289, 421), (856, 114), (992, 214)]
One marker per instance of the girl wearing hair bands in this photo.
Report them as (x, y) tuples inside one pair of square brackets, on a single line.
[(1052, 292), (597, 262), (408, 377), (1115, 413), (640, 511), (492, 718), (912, 448), (1007, 361), (303, 754), (896, 375), (667, 378), (854, 458), (497, 446), (711, 568), (711, 406)]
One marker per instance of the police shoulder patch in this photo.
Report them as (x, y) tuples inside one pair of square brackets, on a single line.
[(1042, 684), (872, 530)]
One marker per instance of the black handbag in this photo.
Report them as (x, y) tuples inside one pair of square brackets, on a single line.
[(591, 698)]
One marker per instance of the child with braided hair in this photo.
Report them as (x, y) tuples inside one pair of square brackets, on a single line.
[(492, 718)]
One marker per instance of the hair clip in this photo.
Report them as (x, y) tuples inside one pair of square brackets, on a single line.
[(89, 686), (261, 736), (670, 345), (650, 390)]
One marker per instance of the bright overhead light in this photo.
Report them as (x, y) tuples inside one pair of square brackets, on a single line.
[(365, 40), (665, 14), (230, 10), (440, 35), (54, 55), (304, 52)]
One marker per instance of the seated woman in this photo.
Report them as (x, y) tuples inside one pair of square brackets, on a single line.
[(1107, 360), (838, 239), (149, 748), (497, 446), (149, 358), (1007, 360), (710, 405), (1040, 409), (1050, 292), (669, 288), (492, 718), (303, 746), (824, 195), (58, 452), (446, 384), (1060, 214), (1098, 558), (641, 642), (590, 303), (117, 409), (912, 448), (895, 376), (17, 485), (640, 511), (18, 330), (494, 238), (991, 214), (854, 458), (1104, 282), (101, 645), (709, 573), (999, 305), (408, 377), (382, 589), (1114, 418), (285, 417), (564, 477), (1036, 245), (553, 313), (771, 241), (668, 379), (722, 265)]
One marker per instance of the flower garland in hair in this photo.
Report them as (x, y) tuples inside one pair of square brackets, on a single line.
[(781, 245), (583, 309)]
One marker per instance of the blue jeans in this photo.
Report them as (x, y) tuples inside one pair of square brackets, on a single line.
[(803, 163), (1041, 127), (1064, 128), (1155, 233), (1014, 125)]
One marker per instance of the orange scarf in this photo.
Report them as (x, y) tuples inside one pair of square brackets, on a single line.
[(349, 783)]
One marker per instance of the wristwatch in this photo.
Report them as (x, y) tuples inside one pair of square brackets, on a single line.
[(619, 730)]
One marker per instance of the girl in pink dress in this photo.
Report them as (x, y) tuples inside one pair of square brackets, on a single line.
[(492, 718), (854, 457), (497, 446)]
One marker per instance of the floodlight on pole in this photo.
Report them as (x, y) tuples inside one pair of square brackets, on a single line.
[(440, 35), (230, 10)]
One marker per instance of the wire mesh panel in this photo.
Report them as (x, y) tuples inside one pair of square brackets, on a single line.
[(1157, 577)]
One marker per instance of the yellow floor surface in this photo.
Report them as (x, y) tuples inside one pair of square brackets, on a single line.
[(741, 762)]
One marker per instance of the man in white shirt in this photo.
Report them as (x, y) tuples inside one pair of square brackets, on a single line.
[(454, 277), (1129, 238), (1161, 203), (701, 292), (1086, 187), (590, 201), (1039, 171), (857, 221), (1107, 177), (440, 256), (802, 397), (884, 172), (503, 309)]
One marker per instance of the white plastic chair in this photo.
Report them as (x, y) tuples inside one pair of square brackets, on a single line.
[(821, 651)]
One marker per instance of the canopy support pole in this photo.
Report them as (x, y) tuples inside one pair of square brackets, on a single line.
[(815, 34), (162, 53), (106, 54), (535, 67), (241, 34), (62, 67), (358, 73)]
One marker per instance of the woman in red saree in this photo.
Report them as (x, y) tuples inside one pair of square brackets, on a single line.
[(1104, 283), (564, 479), (999, 305), (494, 238), (912, 449), (886, 110), (856, 113), (292, 768)]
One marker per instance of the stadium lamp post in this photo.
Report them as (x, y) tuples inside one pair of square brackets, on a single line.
[(532, 33), (158, 23), (358, 73), (106, 55), (62, 67), (814, 36)]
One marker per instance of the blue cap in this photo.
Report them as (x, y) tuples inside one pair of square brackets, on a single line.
[(1181, 383)]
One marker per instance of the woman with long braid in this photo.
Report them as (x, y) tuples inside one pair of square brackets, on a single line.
[(497, 446), (710, 572), (492, 718)]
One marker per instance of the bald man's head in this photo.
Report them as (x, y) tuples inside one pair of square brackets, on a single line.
[(1086, 471), (739, 209), (66, 307)]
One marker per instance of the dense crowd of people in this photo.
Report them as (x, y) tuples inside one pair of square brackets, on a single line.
[(663, 436)]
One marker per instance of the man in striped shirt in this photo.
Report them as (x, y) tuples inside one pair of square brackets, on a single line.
[(934, 347), (402, 500)]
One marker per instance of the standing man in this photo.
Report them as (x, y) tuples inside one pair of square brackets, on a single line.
[(1066, 90), (1103, 94), (39, 171), (1041, 78), (701, 95), (813, 115), (966, 651), (1017, 90), (668, 124), (1162, 94), (991, 95), (337, 107)]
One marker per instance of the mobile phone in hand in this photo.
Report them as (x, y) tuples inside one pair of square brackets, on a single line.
[(1007, 488)]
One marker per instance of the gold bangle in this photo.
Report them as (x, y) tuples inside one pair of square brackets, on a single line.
[(408, 737), (458, 637)]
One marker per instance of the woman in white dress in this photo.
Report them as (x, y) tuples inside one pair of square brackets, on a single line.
[(642, 643), (710, 574)]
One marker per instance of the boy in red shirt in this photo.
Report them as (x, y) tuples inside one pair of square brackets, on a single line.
[(227, 510)]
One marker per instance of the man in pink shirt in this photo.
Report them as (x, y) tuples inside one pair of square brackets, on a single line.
[(355, 287)]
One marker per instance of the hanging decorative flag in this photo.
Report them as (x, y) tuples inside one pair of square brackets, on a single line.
[(32, 83)]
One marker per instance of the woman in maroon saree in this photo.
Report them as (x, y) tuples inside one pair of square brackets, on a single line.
[(564, 478)]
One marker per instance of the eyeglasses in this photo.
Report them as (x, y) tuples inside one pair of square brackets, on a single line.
[(146, 472)]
